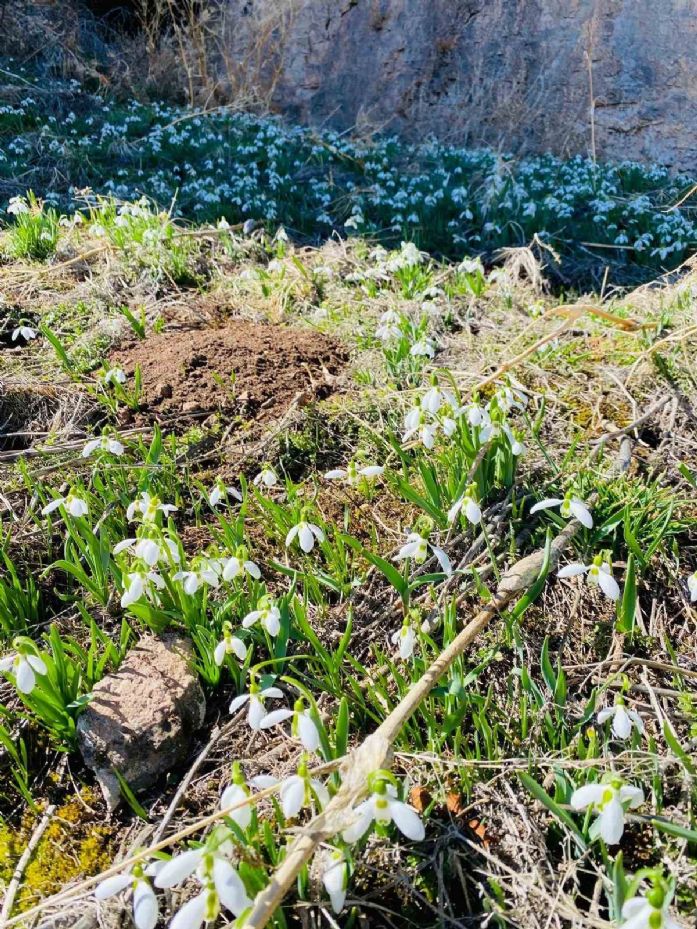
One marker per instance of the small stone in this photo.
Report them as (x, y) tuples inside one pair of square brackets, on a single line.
[(191, 406), (142, 718), (163, 391)]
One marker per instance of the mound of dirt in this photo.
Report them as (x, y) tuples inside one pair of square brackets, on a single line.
[(252, 370)]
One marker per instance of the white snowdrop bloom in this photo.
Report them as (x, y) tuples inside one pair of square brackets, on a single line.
[(221, 882), (417, 547), (476, 414), (692, 586), (151, 551), (219, 494), (416, 422), (138, 583), (405, 640), (229, 645), (104, 443), (568, 506), (25, 332), (335, 879), (517, 447), (352, 474), (25, 666), (383, 807), (300, 790), (145, 906), (649, 912), (17, 205), (237, 792), (256, 712), (306, 534), (302, 726), (205, 574), (114, 376), (471, 266), (424, 348), (389, 329), (148, 507), (239, 564), (267, 476), (267, 614), (223, 224), (468, 505), (623, 720), (72, 504), (599, 574), (353, 222), (608, 801)]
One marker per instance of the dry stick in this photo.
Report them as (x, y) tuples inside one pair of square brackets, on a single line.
[(23, 862), (376, 751)]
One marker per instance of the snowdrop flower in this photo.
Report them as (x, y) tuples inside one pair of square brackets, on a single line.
[(145, 906), (221, 883), (256, 713), (389, 329), (150, 550), (26, 332), (306, 534), (25, 665), (651, 911), (335, 879), (383, 807), (405, 639), (237, 792), (239, 564), (219, 492), (352, 474), (205, 574), (114, 376), (435, 398), (692, 586), (302, 727), (300, 790), (608, 801), (17, 205), (148, 507), (568, 507), (104, 443), (424, 348), (73, 505), (476, 414), (267, 476), (599, 574), (416, 421), (623, 720), (467, 503), (417, 547), (139, 583), (517, 447), (229, 645), (266, 614)]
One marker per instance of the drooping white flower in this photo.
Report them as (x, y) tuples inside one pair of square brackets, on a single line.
[(416, 421), (72, 504), (468, 505), (623, 720), (16, 206), (416, 547), (25, 665), (352, 474), (145, 906), (517, 446), (300, 790), (568, 506), (306, 534), (219, 493), (608, 801), (239, 564), (104, 443), (649, 912), (267, 476), (256, 697), (437, 397), (229, 645), (423, 348), (148, 507), (25, 332), (388, 329), (151, 551), (114, 376), (335, 879), (405, 639), (139, 583), (302, 727), (692, 586), (599, 574), (237, 792), (267, 614), (383, 807), (206, 573)]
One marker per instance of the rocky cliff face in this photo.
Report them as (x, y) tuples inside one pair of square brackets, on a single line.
[(509, 73)]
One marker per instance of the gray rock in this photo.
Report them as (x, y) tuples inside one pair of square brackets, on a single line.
[(142, 718)]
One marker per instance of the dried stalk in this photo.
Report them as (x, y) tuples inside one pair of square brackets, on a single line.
[(376, 751)]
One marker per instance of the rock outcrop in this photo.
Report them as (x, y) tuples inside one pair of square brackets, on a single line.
[(509, 73), (141, 719)]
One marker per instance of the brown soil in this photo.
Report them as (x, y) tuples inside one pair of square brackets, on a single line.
[(189, 372)]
